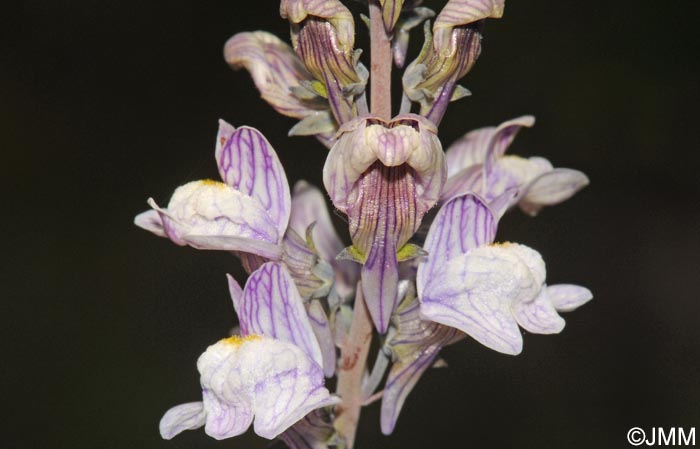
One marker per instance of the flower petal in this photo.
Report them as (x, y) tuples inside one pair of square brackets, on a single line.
[(150, 221), (312, 276), (568, 297), (248, 163), (552, 188), (464, 12), (469, 150), (324, 336), (312, 432), (415, 346), (271, 306), (391, 9), (309, 206), (462, 224), (503, 136), (539, 316), (276, 70), (226, 420), (475, 293), (212, 215), (334, 11), (182, 417), (271, 379)]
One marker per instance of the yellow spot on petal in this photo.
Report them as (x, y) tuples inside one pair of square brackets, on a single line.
[(237, 340), (211, 182), (501, 245)]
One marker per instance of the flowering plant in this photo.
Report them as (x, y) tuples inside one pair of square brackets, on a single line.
[(311, 305)]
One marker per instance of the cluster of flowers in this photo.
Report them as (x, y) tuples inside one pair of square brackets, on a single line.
[(296, 307)]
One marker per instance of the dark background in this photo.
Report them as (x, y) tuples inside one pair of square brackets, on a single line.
[(103, 104)]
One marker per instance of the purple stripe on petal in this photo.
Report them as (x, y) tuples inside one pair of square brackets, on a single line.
[(502, 138), (462, 224), (248, 163), (272, 306), (539, 316)]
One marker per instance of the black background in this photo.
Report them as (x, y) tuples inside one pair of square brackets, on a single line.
[(104, 103)]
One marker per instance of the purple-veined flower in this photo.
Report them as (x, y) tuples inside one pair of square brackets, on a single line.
[(252, 378), (484, 289), (283, 81), (477, 163), (273, 373), (447, 55), (248, 212), (384, 176)]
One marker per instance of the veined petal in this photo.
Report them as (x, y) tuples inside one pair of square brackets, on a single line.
[(431, 79), (471, 179), (248, 163), (312, 432), (503, 136), (271, 306), (182, 417), (391, 9), (324, 336), (462, 224), (406, 139), (150, 221), (271, 380), (539, 316), (334, 66), (312, 275), (475, 293), (309, 206), (385, 177), (415, 346), (568, 297), (226, 420), (212, 215), (296, 11), (552, 188), (276, 70), (463, 12), (473, 148)]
